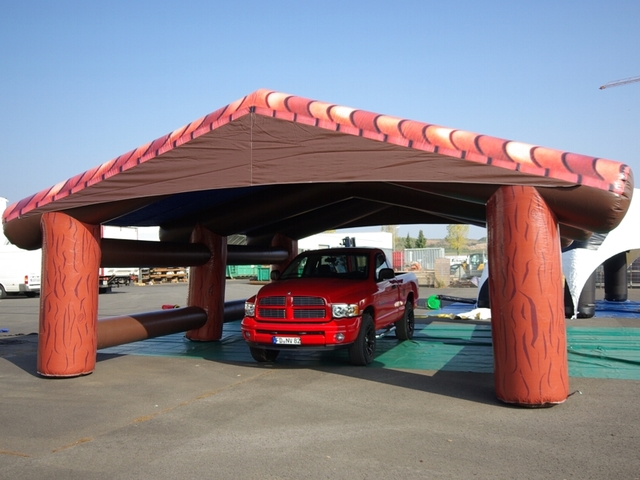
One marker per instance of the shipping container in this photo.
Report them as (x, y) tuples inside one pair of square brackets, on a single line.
[(398, 260), (424, 257)]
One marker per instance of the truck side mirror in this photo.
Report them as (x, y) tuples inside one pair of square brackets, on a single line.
[(274, 274), (386, 274)]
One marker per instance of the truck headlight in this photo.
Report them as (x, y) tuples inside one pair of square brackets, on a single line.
[(342, 310), (249, 309)]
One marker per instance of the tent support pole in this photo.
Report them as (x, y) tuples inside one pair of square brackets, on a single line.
[(207, 285), (288, 244), (526, 291), (67, 343)]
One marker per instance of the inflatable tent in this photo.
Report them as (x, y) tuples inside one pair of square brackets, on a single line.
[(276, 168)]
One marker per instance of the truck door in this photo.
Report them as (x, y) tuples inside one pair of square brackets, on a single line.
[(386, 303)]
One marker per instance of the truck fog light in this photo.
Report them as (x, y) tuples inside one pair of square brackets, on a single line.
[(339, 337), (247, 334)]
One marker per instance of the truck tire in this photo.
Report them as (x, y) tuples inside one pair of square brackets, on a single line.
[(3, 292), (407, 324), (263, 354), (361, 351)]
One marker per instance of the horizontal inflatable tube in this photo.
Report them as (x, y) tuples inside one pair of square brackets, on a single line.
[(140, 326), (583, 208)]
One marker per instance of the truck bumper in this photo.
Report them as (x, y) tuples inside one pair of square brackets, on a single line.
[(312, 335), (29, 288)]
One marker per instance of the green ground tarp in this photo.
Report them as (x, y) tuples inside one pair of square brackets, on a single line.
[(592, 352)]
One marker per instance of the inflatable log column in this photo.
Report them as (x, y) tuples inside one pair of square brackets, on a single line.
[(526, 291), (288, 244), (67, 344), (207, 285)]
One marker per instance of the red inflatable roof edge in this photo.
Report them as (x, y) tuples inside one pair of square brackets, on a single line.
[(534, 160)]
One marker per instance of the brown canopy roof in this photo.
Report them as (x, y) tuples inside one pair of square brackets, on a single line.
[(275, 163)]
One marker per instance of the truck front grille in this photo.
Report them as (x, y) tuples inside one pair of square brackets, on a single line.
[(292, 308), (274, 301), (271, 313), (307, 301), (309, 313)]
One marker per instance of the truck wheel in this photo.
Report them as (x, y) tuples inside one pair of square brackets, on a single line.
[(263, 354), (407, 324), (3, 292), (361, 351)]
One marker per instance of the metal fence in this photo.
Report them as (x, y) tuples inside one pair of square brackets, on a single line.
[(426, 257), (633, 275)]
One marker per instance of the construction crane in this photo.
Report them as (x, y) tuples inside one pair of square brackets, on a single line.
[(617, 83)]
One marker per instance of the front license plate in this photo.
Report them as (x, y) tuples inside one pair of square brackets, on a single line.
[(286, 341)]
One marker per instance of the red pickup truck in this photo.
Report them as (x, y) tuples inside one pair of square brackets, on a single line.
[(329, 299)]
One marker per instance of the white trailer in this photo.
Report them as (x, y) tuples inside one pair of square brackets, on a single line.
[(381, 240), (119, 276), (19, 269)]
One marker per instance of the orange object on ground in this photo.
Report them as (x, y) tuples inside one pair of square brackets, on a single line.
[(69, 296), (526, 291)]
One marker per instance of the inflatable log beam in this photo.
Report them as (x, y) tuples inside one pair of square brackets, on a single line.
[(141, 326), (139, 253)]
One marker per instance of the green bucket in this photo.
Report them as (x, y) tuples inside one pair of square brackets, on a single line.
[(433, 302)]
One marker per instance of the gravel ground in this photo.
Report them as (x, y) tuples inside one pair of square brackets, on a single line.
[(189, 417)]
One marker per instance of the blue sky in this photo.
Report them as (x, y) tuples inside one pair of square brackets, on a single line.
[(83, 82)]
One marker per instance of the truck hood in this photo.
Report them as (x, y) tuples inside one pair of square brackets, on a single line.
[(332, 290)]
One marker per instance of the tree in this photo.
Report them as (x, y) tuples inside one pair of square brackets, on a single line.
[(421, 242), (457, 237), (408, 242)]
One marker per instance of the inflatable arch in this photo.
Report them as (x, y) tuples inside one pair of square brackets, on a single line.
[(277, 168), (580, 260), (621, 244)]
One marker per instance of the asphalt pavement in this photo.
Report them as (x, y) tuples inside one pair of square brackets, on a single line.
[(193, 417)]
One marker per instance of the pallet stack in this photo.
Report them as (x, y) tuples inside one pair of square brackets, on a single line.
[(156, 275)]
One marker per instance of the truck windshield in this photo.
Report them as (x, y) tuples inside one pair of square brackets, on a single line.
[(314, 265)]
